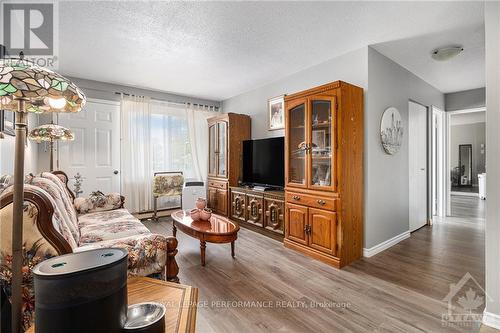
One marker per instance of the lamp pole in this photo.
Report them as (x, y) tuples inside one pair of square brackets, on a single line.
[(21, 121), (51, 145)]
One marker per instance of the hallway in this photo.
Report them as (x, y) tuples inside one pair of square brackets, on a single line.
[(467, 206)]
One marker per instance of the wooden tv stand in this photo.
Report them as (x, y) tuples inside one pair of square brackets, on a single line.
[(260, 211)]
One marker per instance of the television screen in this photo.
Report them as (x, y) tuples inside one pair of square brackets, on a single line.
[(264, 162)]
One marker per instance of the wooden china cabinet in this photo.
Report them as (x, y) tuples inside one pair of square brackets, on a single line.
[(225, 135), (324, 172)]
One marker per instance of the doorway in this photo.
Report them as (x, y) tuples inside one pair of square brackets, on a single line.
[(417, 163), (95, 152), (438, 175), (466, 159)]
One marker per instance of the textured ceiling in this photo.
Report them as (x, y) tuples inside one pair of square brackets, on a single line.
[(220, 49)]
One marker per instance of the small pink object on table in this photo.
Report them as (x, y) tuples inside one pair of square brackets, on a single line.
[(205, 214), (195, 214), (201, 203)]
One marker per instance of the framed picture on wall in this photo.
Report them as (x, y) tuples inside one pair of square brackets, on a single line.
[(276, 109), (7, 121)]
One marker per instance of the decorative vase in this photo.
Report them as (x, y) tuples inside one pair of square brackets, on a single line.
[(201, 203), (195, 214), (206, 214)]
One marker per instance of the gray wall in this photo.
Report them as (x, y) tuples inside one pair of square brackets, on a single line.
[(7, 152), (467, 99), (492, 232), (350, 67), (386, 176), (474, 134)]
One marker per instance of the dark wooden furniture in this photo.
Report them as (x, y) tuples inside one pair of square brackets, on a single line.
[(324, 172), (180, 301), (261, 211), (217, 230), (225, 135)]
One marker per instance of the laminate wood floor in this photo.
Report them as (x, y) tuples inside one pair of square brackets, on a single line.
[(467, 206), (398, 290)]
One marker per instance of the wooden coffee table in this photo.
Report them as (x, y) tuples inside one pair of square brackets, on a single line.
[(217, 230)]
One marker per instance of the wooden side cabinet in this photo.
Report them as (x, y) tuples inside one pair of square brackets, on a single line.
[(255, 214), (225, 136), (324, 172), (274, 214), (263, 212), (296, 224), (238, 206)]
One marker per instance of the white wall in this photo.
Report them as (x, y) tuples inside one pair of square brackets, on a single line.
[(492, 232), (386, 176), (350, 67), (474, 134), (7, 152)]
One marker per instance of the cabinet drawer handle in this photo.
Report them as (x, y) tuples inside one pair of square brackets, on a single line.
[(296, 197), (322, 202)]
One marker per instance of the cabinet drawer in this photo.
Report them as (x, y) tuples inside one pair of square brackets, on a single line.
[(217, 184), (312, 201)]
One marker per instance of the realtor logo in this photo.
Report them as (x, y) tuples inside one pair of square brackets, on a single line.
[(466, 300), (30, 27)]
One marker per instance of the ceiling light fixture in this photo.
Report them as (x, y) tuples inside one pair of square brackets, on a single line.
[(446, 53)]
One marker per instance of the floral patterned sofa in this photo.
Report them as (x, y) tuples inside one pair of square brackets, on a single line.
[(56, 223)]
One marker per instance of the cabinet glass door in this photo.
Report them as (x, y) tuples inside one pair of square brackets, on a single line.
[(222, 149), (322, 144), (212, 150), (297, 145)]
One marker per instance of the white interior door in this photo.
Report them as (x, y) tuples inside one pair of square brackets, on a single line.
[(417, 149), (95, 152)]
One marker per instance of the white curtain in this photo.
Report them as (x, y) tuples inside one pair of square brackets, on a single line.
[(160, 137), (198, 138), (136, 159)]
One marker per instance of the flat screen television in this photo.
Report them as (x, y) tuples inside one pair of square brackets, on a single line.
[(264, 162)]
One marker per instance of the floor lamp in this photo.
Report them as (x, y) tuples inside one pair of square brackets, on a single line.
[(50, 133), (26, 87)]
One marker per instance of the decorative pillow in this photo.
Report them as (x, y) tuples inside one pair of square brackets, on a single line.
[(98, 202)]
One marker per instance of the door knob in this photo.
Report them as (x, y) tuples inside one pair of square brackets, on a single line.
[(115, 172)]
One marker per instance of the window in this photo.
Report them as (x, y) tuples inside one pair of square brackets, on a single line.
[(170, 146)]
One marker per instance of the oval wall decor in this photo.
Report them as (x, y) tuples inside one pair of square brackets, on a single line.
[(391, 130)]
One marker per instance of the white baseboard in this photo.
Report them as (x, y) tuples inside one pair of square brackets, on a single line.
[(491, 320), (385, 245)]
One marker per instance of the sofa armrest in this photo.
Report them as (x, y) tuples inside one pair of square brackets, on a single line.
[(42, 224), (99, 202)]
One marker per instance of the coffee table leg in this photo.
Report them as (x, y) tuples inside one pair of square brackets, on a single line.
[(232, 249), (203, 245), (174, 230)]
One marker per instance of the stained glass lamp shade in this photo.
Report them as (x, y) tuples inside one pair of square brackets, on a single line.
[(50, 133), (43, 89), (26, 87)]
